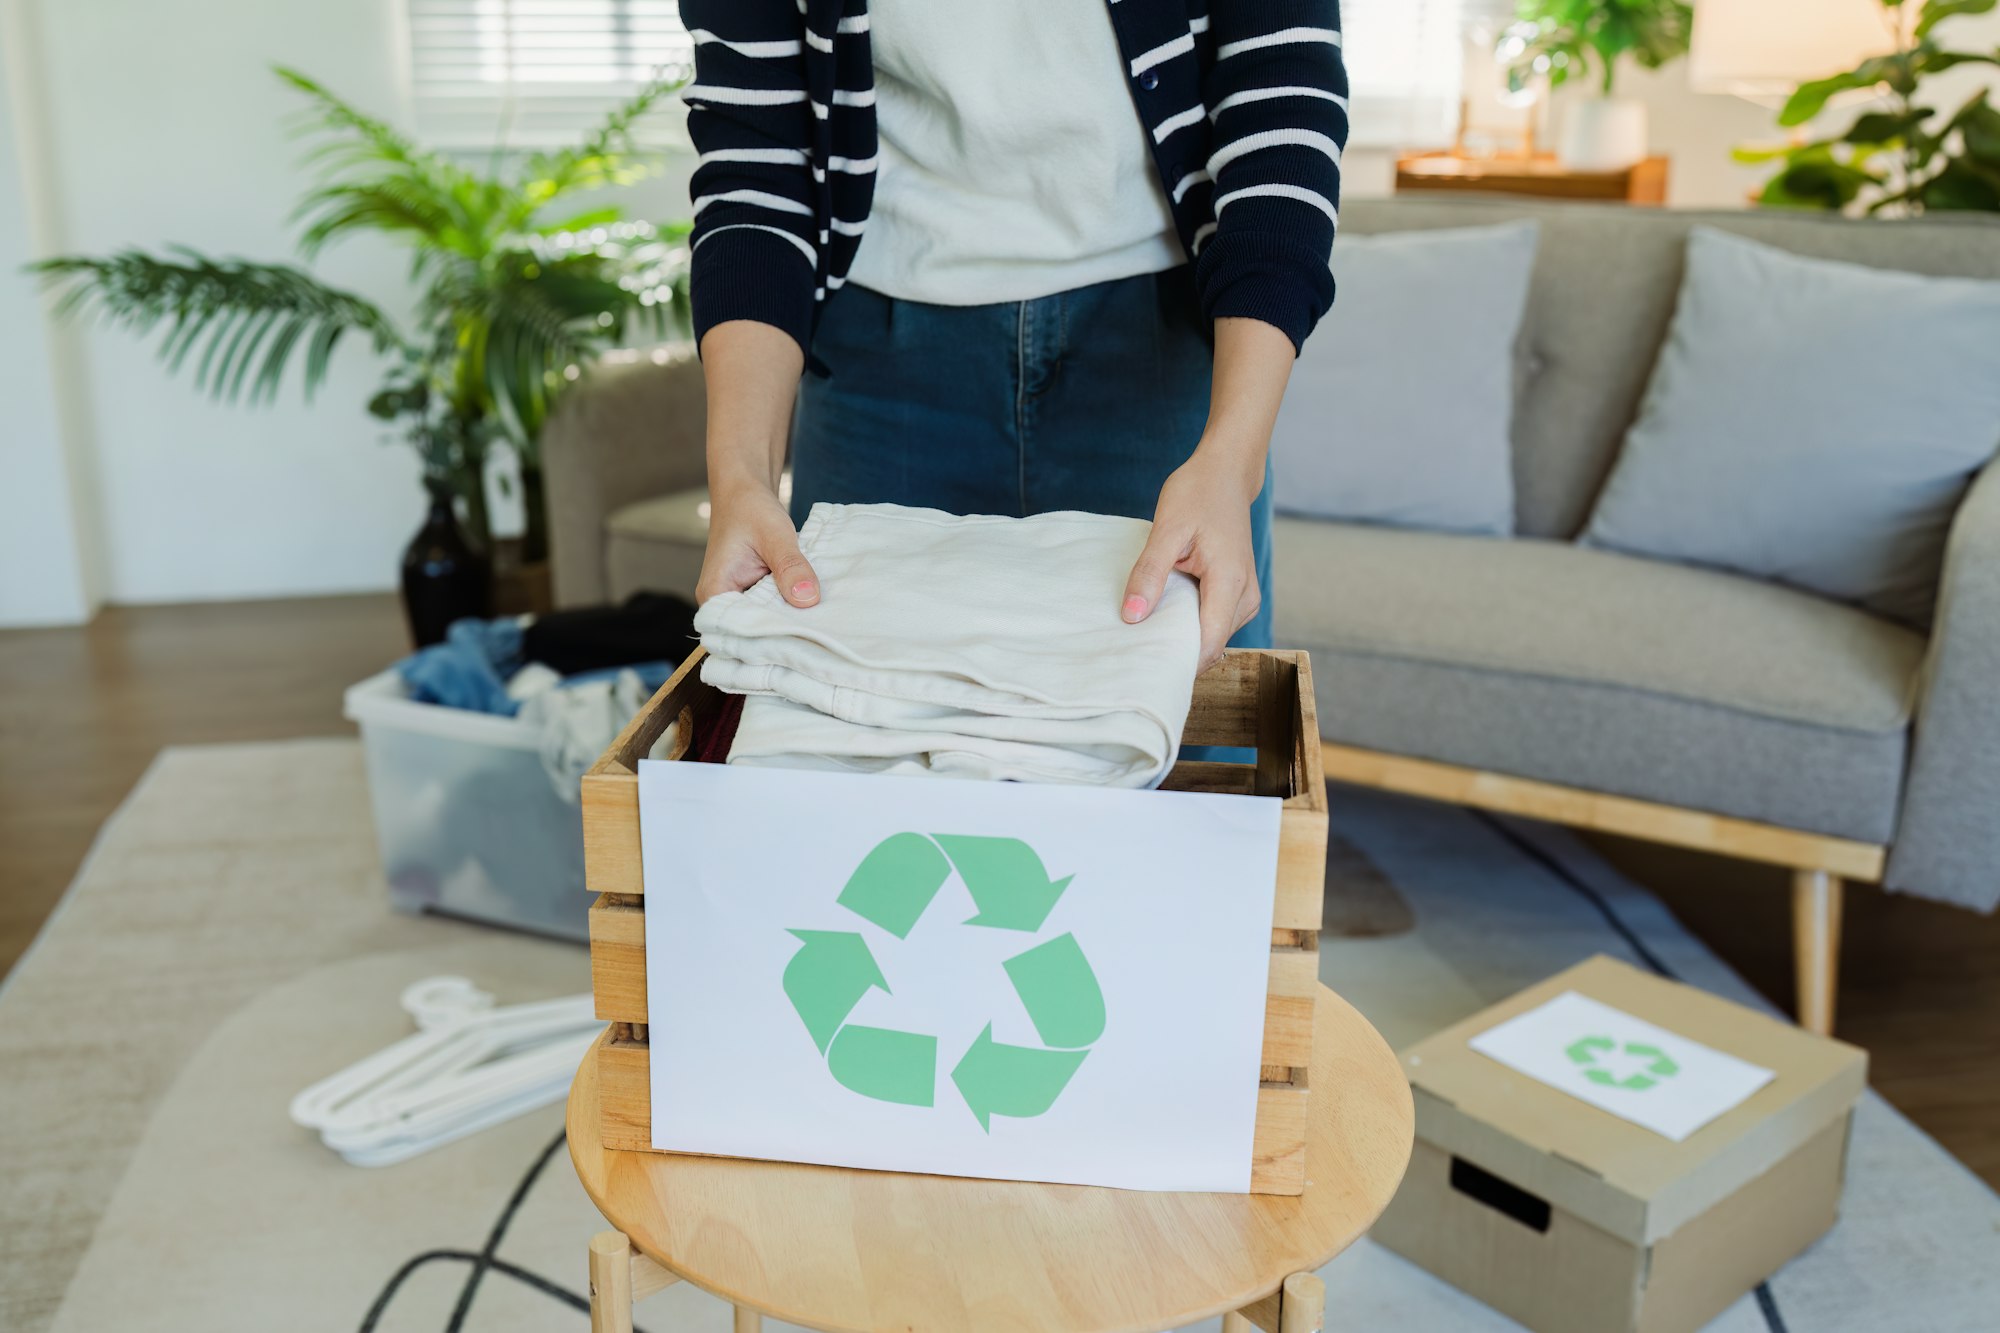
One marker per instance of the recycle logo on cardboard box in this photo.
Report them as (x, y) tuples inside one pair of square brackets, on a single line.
[(891, 888), (1589, 1052)]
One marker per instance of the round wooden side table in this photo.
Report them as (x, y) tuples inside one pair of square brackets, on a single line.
[(839, 1249)]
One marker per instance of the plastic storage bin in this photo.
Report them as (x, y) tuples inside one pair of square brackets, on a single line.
[(468, 821)]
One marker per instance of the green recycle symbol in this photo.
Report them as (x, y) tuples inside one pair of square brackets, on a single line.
[(1585, 1051), (891, 887)]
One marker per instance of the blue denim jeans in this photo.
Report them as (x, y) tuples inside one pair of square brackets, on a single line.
[(1085, 400)]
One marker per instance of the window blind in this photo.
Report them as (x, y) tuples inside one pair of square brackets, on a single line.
[(539, 73)]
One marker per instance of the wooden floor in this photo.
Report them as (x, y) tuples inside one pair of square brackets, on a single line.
[(83, 711)]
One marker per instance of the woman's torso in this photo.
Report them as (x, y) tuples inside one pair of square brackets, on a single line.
[(1013, 163)]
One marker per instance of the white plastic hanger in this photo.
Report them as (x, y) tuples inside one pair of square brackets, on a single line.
[(469, 1065)]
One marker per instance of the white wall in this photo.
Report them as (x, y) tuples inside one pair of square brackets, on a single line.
[(168, 127), (45, 548)]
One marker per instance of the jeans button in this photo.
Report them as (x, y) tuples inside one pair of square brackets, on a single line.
[(1149, 80)]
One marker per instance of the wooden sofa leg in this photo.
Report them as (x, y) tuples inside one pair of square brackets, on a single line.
[(1816, 904)]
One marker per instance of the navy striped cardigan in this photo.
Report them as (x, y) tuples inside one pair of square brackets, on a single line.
[(1245, 102)]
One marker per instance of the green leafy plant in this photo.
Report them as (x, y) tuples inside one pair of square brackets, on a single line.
[(1899, 155), (510, 303), (1557, 39)]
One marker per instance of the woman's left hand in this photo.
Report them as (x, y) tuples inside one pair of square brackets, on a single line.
[(1201, 527)]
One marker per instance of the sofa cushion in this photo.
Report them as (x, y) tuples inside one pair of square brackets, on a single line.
[(1600, 299), (1759, 449), (1603, 671), (656, 545), (1364, 433)]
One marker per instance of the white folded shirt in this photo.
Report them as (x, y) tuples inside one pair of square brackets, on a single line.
[(975, 647)]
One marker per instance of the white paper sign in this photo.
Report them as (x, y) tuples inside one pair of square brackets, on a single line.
[(976, 979), (1621, 1064)]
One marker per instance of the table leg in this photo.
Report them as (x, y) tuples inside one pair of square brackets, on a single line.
[(1303, 1306), (748, 1321), (610, 1283)]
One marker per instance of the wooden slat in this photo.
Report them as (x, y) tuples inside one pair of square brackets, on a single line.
[(1209, 776), (625, 1096), (1299, 902), (1288, 1006), (1277, 733), (1607, 814), (611, 859), (1278, 1152), (1309, 786), (618, 958), (1224, 708)]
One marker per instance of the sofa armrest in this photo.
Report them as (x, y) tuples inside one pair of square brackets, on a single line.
[(632, 430), (1948, 841)]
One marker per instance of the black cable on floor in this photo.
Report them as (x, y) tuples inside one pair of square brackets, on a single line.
[(493, 1238), (501, 1266), (1589, 892), (482, 1261), (1767, 1301)]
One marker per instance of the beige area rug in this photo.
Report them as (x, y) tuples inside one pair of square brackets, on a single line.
[(229, 941)]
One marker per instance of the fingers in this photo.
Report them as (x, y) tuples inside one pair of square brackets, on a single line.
[(1149, 574), (1228, 602), (1220, 599), (745, 546), (793, 574)]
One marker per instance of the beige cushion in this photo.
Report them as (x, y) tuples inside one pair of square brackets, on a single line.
[(656, 545), (1602, 671)]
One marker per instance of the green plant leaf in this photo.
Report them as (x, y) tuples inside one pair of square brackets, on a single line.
[(1962, 186), (1978, 124), (1939, 61), (1937, 11), (1817, 184), (1882, 127), (230, 306)]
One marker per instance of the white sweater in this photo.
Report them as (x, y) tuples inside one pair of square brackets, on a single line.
[(1012, 163)]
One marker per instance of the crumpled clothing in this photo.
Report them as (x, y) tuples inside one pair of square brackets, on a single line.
[(479, 667), (975, 647), (577, 721), (469, 669)]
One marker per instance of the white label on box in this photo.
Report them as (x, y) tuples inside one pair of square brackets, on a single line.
[(962, 978), (1621, 1064)]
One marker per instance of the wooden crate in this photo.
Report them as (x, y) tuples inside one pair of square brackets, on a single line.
[(1251, 698)]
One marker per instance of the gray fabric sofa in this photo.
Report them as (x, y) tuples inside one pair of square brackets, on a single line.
[(1535, 675)]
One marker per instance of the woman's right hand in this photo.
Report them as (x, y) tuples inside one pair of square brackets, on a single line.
[(750, 535), (752, 373)]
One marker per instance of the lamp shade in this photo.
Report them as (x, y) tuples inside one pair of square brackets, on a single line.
[(1763, 48)]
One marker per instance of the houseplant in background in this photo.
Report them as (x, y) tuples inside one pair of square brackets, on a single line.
[(517, 287), (1559, 40), (1899, 155)]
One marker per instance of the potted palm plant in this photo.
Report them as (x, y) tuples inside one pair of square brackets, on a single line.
[(1558, 40), (518, 286)]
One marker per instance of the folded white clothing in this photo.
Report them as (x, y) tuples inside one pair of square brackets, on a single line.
[(975, 647)]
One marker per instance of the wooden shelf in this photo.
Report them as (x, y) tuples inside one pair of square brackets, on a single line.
[(1540, 176)]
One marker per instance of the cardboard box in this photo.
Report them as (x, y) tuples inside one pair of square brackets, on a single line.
[(1571, 1219)]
